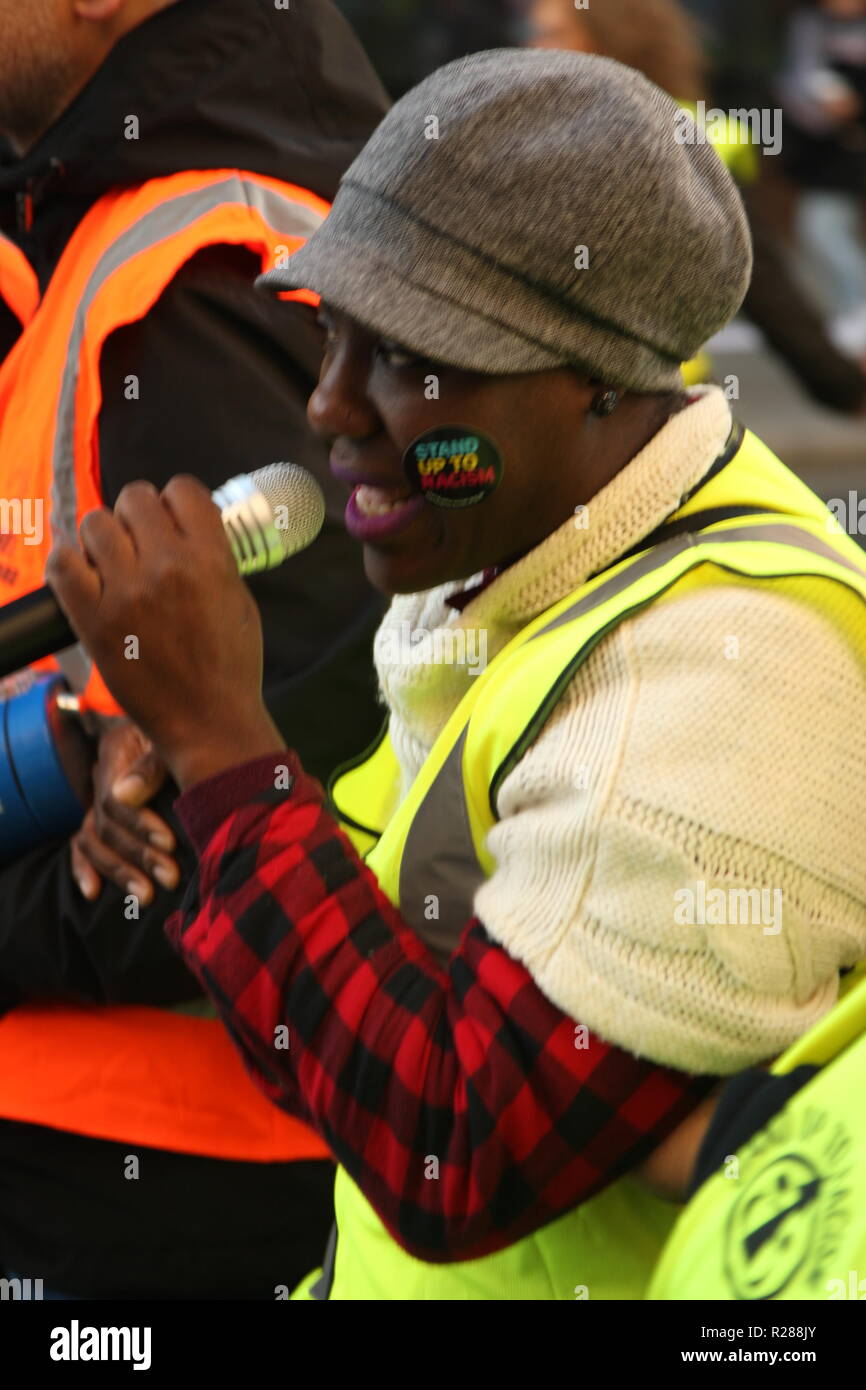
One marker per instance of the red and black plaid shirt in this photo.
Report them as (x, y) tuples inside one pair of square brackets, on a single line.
[(466, 1107)]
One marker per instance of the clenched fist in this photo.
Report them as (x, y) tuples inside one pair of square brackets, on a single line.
[(157, 601)]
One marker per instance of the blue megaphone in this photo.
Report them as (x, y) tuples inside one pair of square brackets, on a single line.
[(44, 768)]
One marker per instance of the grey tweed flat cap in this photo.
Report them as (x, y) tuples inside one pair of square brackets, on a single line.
[(528, 209)]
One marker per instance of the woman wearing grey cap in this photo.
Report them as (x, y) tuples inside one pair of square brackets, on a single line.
[(612, 844)]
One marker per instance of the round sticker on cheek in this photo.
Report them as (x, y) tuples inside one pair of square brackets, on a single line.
[(454, 466)]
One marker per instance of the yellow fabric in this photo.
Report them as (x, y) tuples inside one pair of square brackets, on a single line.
[(784, 1220), (698, 370), (733, 144), (604, 1247)]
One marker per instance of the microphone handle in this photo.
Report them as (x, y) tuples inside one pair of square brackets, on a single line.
[(31, 628), (34, 626)]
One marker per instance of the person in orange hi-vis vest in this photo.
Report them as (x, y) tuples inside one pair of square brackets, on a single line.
[(156, 158)]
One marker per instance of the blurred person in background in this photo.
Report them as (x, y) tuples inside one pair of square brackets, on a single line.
[(823, 86), (663, 41), (158, 157), (658, 37), (743, 41), (407, 39)]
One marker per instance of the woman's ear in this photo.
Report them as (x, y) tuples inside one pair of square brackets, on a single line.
[(605, 402)]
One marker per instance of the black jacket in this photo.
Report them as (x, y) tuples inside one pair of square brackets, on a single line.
[(224, 374)]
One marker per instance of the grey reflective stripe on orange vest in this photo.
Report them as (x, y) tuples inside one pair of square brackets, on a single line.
[(439, 858), (286, 217)]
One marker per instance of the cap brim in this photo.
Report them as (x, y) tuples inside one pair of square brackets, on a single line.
[(423, 321)]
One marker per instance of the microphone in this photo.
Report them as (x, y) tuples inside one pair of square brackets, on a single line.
[(268, 516)]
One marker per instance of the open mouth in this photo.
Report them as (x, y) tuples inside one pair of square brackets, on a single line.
[(380, 501), (380, 513)]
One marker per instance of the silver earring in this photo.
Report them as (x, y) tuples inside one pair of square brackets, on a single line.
[(605, 403)]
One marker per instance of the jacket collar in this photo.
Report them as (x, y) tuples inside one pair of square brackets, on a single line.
[(211, 84)]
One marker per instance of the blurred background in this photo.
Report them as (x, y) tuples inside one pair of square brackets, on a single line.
[(797, 356)]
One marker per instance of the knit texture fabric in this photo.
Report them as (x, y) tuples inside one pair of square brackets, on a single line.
[(527, 209), (717, 741)]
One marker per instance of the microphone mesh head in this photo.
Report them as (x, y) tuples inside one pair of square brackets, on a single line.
[(296, 501)]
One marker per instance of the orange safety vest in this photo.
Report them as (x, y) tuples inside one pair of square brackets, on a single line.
[(19, 287), (141, 1075)]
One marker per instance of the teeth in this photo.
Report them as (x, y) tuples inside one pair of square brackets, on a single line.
[(379, 501)]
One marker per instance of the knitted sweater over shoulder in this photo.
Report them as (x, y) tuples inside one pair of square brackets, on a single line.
[(710, 747)]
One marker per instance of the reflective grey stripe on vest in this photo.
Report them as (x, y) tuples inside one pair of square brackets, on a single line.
[(439, 854), (321, 1290), (286, 217)]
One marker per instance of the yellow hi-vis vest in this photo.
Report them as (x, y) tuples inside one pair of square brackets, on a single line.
[(786, 1217), (750, 520)]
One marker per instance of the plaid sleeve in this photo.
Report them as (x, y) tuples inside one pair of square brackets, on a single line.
[(466, 1107)]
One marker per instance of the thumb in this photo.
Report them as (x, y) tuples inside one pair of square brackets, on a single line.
[(141, 782)]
